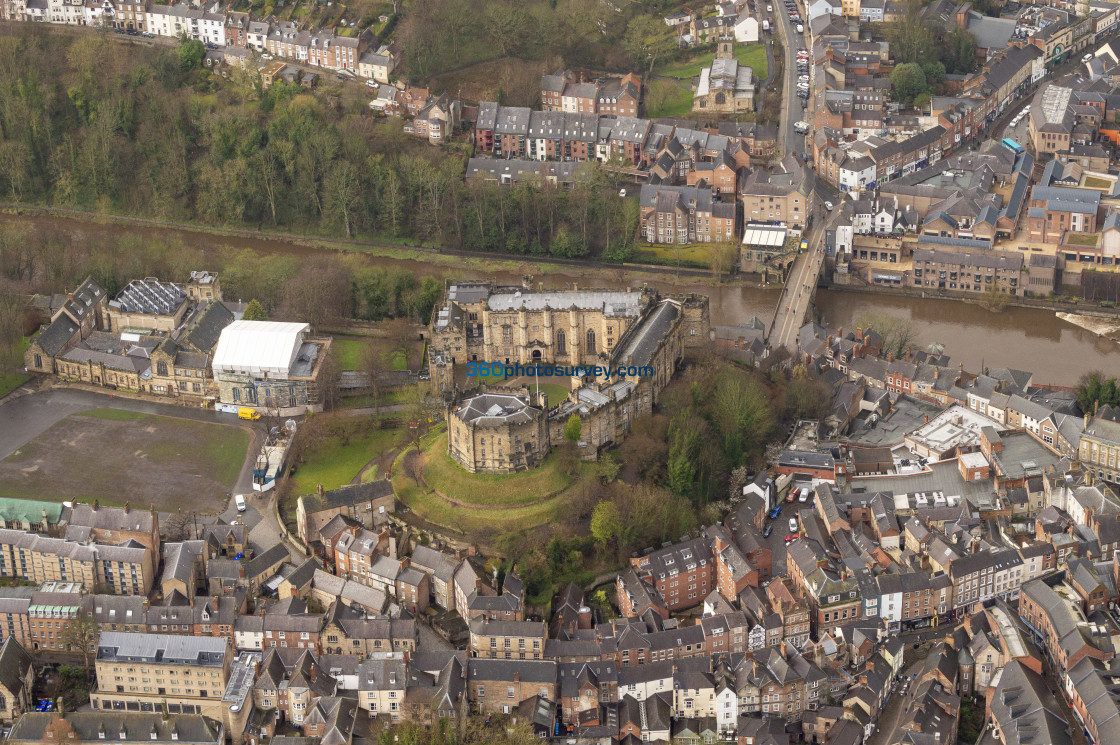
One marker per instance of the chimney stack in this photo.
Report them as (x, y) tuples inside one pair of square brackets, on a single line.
[(907, 352), (96, 504)]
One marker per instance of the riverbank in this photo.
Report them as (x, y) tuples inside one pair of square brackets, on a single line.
[(386, 249), (1056, 304), (1028, 338)]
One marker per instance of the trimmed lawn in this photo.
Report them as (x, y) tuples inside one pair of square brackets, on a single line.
[(1081, 240), (399, 360), (555, 392), (752, 55), (695, 255), (500, 491), (1093, 182), (333, 464), (10, 381), (348, 352), (469, 519), (682, 106), (449, 478)]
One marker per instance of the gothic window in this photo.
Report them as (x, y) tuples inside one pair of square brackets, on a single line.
[(590, 342), (561, 343)]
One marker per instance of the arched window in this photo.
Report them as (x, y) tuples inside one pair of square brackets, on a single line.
[(561, 343), (590, 342)]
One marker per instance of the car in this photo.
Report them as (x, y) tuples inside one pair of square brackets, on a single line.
[(803, 94), (769, 8), (828, 206), (132, 32), (804, 104), (371, 83), (803, 78), (147, 35), (266, 56), (804, 496), (790, 497), (777, 510), (792, 537), (118, 31), (793, 525), (622, 193), (424, 375), (800, 29), (1087, 57), (239, 500), (767, 531), (340, 76)]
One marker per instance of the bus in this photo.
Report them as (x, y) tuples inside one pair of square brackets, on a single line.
[(1011, 145)]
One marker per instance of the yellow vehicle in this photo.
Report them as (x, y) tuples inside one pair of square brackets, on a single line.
[(246, 413)]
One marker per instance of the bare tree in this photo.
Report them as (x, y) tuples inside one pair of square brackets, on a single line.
[(80, 635), (372, 363)]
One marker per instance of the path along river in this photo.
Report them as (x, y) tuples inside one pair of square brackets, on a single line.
[(1024, 338)]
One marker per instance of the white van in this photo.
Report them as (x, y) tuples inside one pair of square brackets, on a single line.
[(239, 500)]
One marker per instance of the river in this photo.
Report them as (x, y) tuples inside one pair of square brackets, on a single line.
[(1024, 338)]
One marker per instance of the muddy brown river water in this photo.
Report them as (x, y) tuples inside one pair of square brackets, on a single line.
[(1025, 338)]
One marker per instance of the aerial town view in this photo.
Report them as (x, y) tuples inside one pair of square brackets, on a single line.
[(496, 372)]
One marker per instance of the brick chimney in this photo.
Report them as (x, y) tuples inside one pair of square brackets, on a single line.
[(314, 667), (907, 352), (126, 505), (517, 677)]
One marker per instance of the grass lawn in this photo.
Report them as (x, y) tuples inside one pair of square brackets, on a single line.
[(1081, 240), (116, 415), (193, 462), (449, 478), (695, 255), (555, 392), (12, 380), (682, 106), (1093, 182), (399, 360), (504, 497), (9, 381), (752, 55), (348, 352), (333, 464)]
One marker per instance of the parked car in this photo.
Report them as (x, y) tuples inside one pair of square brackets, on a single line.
[(1087, 57), (239, 500), (777, 510), (793, 525), (804, 496), (767, 531), (146, 35), (828, 206)]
